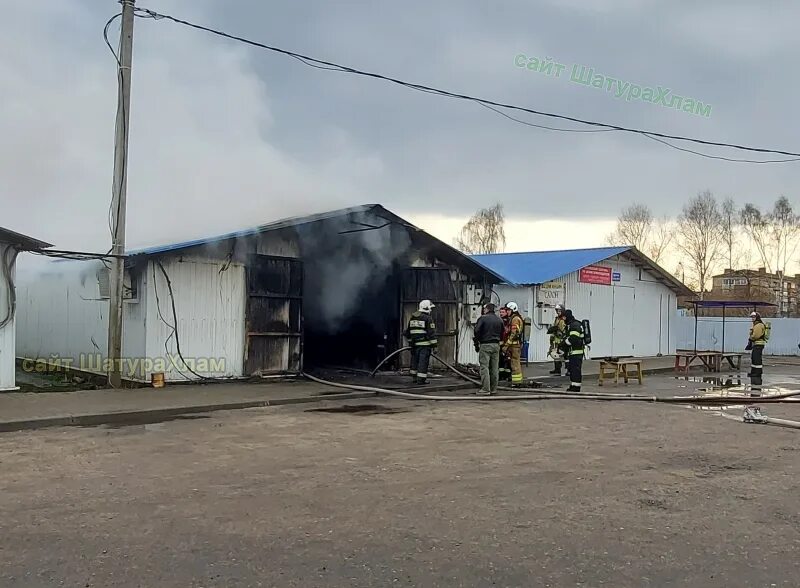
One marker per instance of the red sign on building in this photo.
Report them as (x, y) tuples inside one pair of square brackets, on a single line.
[(595, 274)]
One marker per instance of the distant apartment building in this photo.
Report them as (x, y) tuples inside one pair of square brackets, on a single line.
[(759, 285)]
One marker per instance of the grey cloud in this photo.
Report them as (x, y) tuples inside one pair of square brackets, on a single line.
[(224, 136)]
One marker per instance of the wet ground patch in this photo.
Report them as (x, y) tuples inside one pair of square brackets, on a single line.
[(360, 409), (139, 420), (705, 465)]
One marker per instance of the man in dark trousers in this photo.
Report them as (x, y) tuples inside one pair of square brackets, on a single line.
[(421, 335), (488, 334), (505, 358), (573, 346), (756, 342)]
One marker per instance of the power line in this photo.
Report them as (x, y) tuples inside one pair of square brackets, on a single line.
[(322, 64), (706, 155), (74, 255), (105, 37), (530, 124)]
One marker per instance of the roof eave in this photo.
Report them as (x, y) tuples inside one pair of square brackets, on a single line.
[(668, 279), (24, 242)]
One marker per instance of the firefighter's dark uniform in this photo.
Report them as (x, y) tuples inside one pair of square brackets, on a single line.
[(574, 349), (421, 335), (757, 340)]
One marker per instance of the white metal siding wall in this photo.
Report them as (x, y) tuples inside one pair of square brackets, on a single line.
[(210, 304), (7, 353), (523, 296), (783, 340), (60, 316), (632, 317)]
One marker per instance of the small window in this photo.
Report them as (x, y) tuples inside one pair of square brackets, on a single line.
[(731, 282)]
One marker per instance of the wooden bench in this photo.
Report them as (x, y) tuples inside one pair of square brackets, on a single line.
[(616, 367)]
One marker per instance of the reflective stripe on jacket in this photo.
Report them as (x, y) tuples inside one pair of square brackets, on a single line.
[(515, 331), (574, 338), (421, 331)]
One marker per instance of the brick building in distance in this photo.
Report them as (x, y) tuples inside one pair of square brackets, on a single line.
[(760, 285)]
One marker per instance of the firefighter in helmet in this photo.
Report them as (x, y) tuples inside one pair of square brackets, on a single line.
[(756, 342), (505, 358), (574, 347), (421, 335), (513, 343), (557, 333)]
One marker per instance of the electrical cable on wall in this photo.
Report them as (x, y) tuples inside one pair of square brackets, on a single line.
[(322, 64), (7, 270), (121, 103), (174, 327)]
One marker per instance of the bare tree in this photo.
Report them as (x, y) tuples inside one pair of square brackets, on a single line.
[(730, 233), (484, 232), (660, 239), (785, 231), (633, 226), (700, 236), (757, 227), (636, 226), (776, 235)]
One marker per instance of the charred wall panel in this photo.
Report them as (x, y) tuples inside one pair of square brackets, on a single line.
[(436, 285), (274, 314)]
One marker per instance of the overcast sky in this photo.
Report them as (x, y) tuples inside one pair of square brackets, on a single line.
[(224, 136)]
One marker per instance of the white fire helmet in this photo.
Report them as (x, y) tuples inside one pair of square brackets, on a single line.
[(426, 306), (754, 315), (559, 308), (512, 306)]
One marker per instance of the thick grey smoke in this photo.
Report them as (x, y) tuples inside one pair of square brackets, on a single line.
[(341, 268)]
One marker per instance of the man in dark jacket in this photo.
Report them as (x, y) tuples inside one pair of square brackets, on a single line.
[(488, 334), (573, 346)]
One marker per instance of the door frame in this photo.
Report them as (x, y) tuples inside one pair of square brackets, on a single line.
[(289, 334)]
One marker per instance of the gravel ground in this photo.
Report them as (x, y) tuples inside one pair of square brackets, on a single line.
[(557, 493)]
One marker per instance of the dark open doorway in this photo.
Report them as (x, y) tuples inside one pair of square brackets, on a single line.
[(359, 338)]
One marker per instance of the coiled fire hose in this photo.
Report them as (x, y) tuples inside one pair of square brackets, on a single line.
[(538, 394)]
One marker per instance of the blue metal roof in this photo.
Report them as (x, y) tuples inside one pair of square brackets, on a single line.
[(454, 256), (538, 267), (280, 224)]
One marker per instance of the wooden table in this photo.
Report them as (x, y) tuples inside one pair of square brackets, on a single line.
[(620, 366), (734, 359), (711, 360)]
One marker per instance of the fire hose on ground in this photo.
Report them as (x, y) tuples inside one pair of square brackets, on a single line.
[(752, 413), (539, 395), (700, 400)]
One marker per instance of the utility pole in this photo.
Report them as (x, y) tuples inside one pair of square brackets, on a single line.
[(118, 201)]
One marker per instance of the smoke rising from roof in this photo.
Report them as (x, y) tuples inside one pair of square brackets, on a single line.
[(341, 268)]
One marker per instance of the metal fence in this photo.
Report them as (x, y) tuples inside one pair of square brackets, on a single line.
[(784, 336)]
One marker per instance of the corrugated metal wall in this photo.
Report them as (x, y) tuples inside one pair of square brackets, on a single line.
[(60, 315), (783, 340), (210, 304), (635, 316), (7, 345)]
